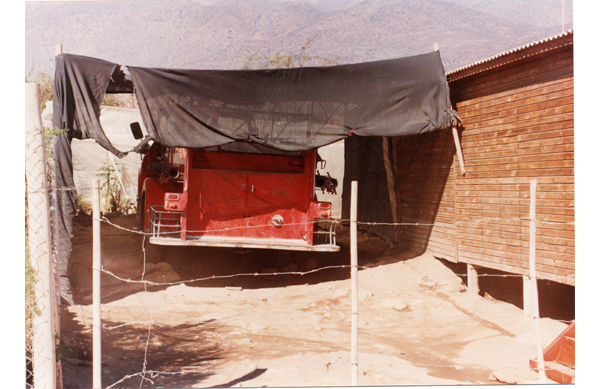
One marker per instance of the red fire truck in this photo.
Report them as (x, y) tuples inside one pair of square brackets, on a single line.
[(235, 195)]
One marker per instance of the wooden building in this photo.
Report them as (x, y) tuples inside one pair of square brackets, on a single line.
[(517, 111)]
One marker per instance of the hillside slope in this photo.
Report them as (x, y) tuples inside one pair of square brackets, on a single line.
[(201, 34)]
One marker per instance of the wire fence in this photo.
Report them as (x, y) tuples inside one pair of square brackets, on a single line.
[(41, 321), (148, 377)]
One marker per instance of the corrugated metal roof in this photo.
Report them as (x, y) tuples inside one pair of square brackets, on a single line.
[(515, 50)]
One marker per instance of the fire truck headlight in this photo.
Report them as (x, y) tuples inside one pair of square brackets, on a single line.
[(277, 220)]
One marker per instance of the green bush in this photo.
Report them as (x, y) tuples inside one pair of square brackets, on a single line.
[(111, 193)]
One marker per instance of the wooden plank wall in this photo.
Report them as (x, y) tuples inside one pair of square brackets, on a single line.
[(518, 124), (425, 172)]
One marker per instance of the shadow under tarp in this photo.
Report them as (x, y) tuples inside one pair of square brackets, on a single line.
[(365, 163)]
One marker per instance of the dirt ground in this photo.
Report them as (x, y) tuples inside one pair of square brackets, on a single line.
[(417, 324)]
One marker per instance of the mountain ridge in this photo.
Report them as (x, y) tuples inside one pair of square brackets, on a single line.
[(195, 34)]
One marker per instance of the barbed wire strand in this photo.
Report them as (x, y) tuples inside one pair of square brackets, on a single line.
[(146, 234), (336, 221), (214, 277), (260, 274), (283, 273)]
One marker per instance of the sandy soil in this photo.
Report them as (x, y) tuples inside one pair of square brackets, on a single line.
[(417, 324)]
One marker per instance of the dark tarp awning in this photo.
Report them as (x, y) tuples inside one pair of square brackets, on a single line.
[(286, 109)]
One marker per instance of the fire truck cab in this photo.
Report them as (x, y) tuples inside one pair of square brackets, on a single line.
[(235, 195)]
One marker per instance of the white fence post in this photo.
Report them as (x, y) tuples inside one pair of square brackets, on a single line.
[(97, 262), (40, 246), (354, 280), (533, 278)]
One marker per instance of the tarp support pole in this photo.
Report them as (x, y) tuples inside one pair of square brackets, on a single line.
[(391, 182), (458, 150)]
